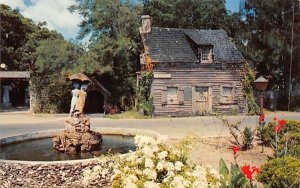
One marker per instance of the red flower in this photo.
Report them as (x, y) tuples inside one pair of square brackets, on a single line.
[(235, 149), (261, 117), (282, 122), (255, 169), (275, 119), (248, 171), (277, 128)]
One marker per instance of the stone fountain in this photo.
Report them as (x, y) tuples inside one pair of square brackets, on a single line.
[(77, 136)]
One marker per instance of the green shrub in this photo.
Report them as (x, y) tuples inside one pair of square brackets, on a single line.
[(249, 77), (292, 140), (268, 132), (145, 100), (281, 172)]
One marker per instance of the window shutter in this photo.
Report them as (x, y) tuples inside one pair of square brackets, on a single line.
[(180, 95), (164, 96)]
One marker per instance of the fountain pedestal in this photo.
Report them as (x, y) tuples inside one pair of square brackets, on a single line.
[(77, 137)]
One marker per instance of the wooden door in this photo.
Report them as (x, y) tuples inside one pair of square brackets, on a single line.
[(201, 100)]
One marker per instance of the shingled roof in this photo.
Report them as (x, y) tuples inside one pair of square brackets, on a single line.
[(173, 45)]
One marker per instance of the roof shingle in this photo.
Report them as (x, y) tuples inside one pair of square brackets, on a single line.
[(172, 45)]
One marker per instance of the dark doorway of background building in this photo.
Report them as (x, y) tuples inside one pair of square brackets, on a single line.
[(18, 93), (94, 102)]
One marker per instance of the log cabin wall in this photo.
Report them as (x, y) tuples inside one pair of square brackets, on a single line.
[(181, 76), (196, 72)]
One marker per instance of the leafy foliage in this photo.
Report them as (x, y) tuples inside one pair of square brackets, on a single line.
[(247, 81), (145, 101), (267, 28), (113, 51), (232, 178), (291, 139), (244, 138), (281, 172)]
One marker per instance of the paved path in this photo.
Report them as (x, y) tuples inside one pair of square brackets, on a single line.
[(13, 123)]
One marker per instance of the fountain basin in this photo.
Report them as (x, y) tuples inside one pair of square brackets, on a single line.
[(66, 173), (117, 140)]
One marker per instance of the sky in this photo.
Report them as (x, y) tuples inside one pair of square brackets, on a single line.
[(58, 17)]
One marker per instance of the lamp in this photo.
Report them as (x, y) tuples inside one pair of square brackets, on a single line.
[(261, 85)]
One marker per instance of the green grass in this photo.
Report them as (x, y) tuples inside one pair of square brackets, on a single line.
[(130, 114)]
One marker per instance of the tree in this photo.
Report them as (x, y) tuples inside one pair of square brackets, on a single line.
[(197, 14), (267, 28), (113, 52)]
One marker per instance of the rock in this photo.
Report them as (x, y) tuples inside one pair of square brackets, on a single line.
[(77, 137)]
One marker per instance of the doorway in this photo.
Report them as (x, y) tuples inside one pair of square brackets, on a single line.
[(94, 102), (201, 100)]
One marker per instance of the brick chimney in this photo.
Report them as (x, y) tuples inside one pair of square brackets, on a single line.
[(146, 24)]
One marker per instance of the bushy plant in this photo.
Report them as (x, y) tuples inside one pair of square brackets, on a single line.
[(288, 136), (111, 109), (145, 100), (247, 81), (154, 164), (232, 177), (281, 172)]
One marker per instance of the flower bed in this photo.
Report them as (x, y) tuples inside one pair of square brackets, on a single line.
[(155, 165)]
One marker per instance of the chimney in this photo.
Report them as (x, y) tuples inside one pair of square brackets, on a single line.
[(146, 24)]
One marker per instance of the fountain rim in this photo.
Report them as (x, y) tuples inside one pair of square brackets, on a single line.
[(53, 132)]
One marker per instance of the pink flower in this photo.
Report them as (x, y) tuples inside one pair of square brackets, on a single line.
[(275, 119)]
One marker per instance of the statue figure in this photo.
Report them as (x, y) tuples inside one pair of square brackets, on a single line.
[(6, 99), (75, 93), (80, 101)]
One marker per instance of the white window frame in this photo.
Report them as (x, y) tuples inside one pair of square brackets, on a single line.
[(206, 54)]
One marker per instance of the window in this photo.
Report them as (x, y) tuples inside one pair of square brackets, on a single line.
[(202, 93), (206, 54), (227, 94), (187, 93), (172, 95)]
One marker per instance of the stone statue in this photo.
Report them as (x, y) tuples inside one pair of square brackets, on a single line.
[(6, 99), (75, 93), (77, 136)]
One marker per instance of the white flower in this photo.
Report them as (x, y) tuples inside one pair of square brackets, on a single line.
[(148, 152), (160, 166), (162, 155), (199, 172), (151, 184), (170, 166), (142, 141), (180, 182), (151, 174), (130, 179), (104, 172), (126, 169), (131, 157), (215, 173), (199, 184), (130, 185), (169, 176), (149, 163), (178, 165)]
